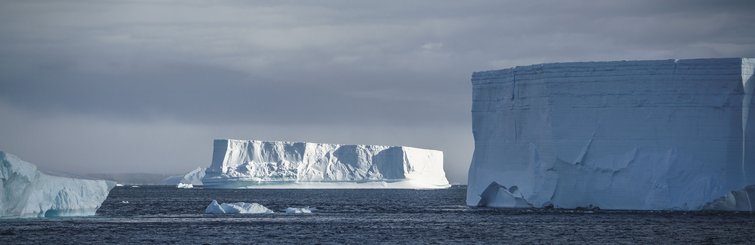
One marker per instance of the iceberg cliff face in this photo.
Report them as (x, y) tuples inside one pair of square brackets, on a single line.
[(26, 192), (261, 164), (647, 135)]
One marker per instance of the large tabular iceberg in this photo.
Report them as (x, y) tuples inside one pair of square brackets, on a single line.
[(26, 192), (263, 164), (647, 135)]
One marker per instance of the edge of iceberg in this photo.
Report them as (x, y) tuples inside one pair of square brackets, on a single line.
[(28, 193)]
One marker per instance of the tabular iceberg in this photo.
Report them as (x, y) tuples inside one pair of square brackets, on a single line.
[(274, 164), (640, 135), (26, 192)]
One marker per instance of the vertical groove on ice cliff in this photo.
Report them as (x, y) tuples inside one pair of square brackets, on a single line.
[(748, 68)]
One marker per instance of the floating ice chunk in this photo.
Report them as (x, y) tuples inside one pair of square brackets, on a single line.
[(118, 184), (214, 208), (739, 200), (26, 192), (134, 186), (124, 202), (184, 186), (496, 195), (236, 208), (305, 210)]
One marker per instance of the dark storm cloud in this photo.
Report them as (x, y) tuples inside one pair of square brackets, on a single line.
[(317, 68)]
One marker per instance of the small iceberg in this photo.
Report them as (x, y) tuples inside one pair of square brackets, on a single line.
[(134, 186), (124, 202), (305, 210), (236, 208), (118, 185), (184, 186)]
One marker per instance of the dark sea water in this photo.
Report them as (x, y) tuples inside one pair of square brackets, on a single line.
[(169, 215)]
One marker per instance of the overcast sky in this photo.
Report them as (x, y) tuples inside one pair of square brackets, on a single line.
[(145, 86)]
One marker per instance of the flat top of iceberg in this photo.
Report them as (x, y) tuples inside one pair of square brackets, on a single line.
[(318, 143), (482, 75)]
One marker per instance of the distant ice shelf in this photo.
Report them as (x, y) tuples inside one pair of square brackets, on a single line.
[(194, 177), (638, 135), (275, 164), (26, 192)]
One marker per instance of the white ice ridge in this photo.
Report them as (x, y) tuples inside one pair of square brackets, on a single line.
[(641, 135), (194, 178), (26, 192), (236, 208), (274, 164)]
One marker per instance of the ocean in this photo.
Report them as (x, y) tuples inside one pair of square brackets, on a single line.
[(167, 215)]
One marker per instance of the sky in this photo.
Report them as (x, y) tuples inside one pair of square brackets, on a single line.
[(145, 86)]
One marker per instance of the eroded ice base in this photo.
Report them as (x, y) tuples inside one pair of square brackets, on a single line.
[(739, 200)]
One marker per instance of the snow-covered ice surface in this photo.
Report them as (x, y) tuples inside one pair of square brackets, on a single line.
[(304, 210), (642, 135), (26, 192), (194, 177), (274, 164), (236, 208)]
